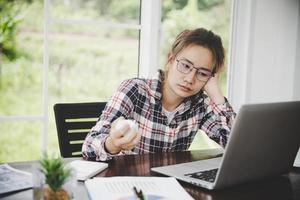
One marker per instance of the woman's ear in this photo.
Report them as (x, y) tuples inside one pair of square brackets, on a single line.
[(170, 58)]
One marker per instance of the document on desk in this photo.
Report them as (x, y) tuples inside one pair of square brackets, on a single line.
[(297, 160), (12, 179), (121, 188)]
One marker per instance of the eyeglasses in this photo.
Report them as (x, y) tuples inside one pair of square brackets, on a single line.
[(185, 67)]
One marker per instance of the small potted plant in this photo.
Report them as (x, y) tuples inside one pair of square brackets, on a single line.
[(56, 175)]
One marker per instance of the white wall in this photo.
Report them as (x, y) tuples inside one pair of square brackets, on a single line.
[(297, 70), (264, 60)]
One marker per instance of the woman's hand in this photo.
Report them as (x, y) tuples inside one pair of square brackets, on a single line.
[(118, 140), (213, 90)]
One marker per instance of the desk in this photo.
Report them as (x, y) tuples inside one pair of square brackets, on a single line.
[(284, 187)]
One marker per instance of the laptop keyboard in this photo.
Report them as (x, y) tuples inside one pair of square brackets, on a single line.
[(208, 175)]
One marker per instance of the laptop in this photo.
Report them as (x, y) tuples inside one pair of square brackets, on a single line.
[(263, 142)]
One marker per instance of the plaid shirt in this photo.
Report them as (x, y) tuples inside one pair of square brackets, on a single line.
[(140, 100)]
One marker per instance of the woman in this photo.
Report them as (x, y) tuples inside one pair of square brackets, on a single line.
[(170, 108)]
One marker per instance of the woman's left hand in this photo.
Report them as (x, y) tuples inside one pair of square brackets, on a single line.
[(213, 90)]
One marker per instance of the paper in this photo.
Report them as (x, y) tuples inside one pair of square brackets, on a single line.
[(12, 179), (121, 188), (297, 160), (87, 169)]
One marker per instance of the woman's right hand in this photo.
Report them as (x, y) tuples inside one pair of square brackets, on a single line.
[(118, 140)]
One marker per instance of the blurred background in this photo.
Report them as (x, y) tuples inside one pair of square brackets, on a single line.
[(79, 51)]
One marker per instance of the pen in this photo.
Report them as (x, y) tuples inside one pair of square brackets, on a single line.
[(139, 194)]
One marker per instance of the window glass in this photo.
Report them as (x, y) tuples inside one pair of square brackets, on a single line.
[(21, 58), (89, 67), (89, 61), (20, 141), (120, 11)]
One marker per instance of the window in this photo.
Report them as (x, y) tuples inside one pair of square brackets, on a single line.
[(86, 43)]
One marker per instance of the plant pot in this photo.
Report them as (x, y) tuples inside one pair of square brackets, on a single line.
[(63, 193), (60, 194)]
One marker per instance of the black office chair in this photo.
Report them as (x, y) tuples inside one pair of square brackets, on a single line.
[(73, 122)]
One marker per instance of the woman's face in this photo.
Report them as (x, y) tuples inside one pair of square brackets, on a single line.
[(181, 85)]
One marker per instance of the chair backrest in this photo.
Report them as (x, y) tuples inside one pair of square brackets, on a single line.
[(73, 123)]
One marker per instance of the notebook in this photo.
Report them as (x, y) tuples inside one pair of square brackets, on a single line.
[(122, 187), (264, 141), (87, 169), (12, 179)]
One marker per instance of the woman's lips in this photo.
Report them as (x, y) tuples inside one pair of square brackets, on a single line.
[(184, 88)]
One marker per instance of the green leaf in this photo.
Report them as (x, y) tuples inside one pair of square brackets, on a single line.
[(55, 172)]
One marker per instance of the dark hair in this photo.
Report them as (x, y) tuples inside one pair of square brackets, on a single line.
[(201, 37)]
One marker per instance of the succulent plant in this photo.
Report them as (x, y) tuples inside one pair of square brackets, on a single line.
[(55, 173)]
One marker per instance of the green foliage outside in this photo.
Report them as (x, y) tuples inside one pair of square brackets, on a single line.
[(87, 62), (8, 22)]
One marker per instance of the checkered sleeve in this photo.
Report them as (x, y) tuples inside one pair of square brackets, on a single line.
[(217, 121), (120, 104)]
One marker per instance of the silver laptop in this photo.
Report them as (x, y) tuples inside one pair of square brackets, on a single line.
[(264, 141)]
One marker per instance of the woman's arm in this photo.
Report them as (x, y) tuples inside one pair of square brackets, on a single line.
[(120, 104), (213, 90), (219, 115), (217, 121)]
